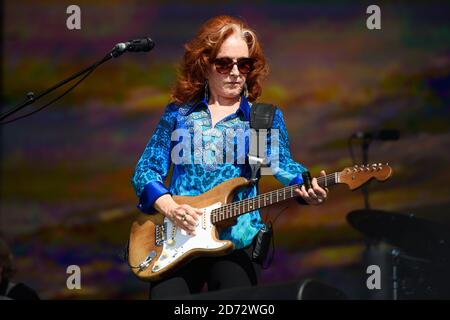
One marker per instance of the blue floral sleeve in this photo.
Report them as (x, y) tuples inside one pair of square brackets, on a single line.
[(285, 169), (153, 166)]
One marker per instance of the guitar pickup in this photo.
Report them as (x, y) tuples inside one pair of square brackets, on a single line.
[(159, 232)]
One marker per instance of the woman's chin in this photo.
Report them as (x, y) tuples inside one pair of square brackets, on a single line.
[(231, 94)]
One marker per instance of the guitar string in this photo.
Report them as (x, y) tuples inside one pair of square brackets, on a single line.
[(320, 179), (272, 193), (283, 191), (245, 202), (237, 204)]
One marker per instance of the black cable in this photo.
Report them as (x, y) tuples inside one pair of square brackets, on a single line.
[(54, 100), (269, 262), (125, 256), (273, 240), (279, 214), (350, 149)]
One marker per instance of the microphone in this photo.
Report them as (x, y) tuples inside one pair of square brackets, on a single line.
[(384, 134), (136, 45)]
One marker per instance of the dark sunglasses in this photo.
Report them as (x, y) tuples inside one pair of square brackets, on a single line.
[(225, 65)]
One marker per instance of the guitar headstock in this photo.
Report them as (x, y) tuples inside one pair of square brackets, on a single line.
[(356, 176)]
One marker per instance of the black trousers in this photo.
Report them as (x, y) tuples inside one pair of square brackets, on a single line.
[(235, 269)]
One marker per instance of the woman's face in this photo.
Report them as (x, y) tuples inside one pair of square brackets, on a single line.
[(231, 84)]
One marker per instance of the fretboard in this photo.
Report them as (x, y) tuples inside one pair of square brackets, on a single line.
[(237, 208)]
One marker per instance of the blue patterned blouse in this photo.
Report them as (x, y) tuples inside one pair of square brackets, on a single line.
[(176, 133)]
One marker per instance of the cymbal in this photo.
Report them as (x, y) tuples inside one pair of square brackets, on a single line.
[(417, 236)]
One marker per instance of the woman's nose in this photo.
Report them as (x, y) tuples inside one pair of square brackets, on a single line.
[(235, 70)]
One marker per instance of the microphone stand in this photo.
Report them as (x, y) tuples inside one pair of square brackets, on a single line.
[(366, 141), (373, 253), (376, 251), (365, 187), (31, 98)]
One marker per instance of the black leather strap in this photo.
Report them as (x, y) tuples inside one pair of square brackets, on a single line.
[(261, 117)]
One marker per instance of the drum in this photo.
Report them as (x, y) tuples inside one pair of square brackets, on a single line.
[(420, 254)]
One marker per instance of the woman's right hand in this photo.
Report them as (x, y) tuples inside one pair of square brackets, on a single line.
[(184, 216)]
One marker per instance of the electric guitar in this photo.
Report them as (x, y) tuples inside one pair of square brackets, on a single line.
[(157, 247)]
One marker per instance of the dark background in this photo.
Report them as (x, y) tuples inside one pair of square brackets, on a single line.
[(66, 196)]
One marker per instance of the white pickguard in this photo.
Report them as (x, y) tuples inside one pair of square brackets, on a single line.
[(182, 242)]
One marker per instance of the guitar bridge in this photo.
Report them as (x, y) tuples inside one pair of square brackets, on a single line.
[(160, 234)]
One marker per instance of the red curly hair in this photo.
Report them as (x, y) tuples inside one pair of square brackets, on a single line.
[(204, 47)]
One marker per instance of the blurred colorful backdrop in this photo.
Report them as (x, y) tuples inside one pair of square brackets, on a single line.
[(66, 196)]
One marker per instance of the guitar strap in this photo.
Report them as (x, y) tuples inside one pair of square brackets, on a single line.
[(261, 118)]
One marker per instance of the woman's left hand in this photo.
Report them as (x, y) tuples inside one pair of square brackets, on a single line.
[(315, 195)]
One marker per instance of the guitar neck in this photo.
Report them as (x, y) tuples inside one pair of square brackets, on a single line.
[(240, 207)]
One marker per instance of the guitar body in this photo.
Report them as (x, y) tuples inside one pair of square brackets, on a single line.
[(160, 248), (157, 247)]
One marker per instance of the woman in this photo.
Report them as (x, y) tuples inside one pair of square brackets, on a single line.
[(221, 75)]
